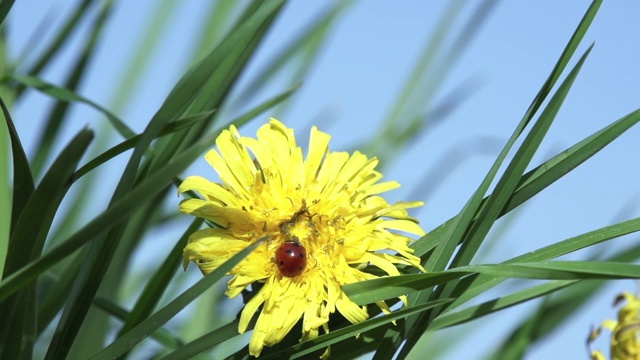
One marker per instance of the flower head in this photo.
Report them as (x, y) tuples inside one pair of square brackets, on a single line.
[(625, 332), (323, 217)]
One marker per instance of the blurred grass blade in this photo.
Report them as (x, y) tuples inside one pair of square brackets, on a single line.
[(144, 51), (497, 304), (61, 38), (385, 136), (412, 111), (204, 343), (23, 185), (56, 294), (220, 18), (127, 341), (131, 142), (162, 335), (66, 95), (26, 244), (158, 283), (311, 37), (57, 116), (5, 6)]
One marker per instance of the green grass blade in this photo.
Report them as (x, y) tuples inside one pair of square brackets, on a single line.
[(158, 283), (115, 214), (162, 335), (58, 114), (546, 174), (474, 286), (133, 141), (219, 20), (321, 342), (23, 185), (454, 233), (67, 95), (463, 223), (27, 238), (389, 287), (475, 232), (567, 54), (497, 304), (148, 326), (204, 343), (6, 197), (146, 45), (542, 176), (509, 180), (59, 41), (555, 311), (311, 35), (56, 294), (559, 270), (5, 6), (27, 241), (370, 291)]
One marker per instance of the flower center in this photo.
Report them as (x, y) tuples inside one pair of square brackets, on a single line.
[(300, 226)]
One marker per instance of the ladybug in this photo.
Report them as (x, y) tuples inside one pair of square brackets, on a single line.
[(291, 258)]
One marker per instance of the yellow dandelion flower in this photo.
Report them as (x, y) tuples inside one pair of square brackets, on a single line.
[(323, 217), (625, 332)]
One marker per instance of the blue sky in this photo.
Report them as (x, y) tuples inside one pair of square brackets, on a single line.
[(356, 80)]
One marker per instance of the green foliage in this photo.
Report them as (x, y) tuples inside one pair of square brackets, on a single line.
[(78, 271)]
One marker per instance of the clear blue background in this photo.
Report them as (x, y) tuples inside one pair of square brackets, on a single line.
[(357, 78)]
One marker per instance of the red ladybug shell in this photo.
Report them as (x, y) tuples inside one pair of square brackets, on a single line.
[(291, 258)]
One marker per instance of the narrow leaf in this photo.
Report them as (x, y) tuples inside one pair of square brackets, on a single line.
[(148, 326)]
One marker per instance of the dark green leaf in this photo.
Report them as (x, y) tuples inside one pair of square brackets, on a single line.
[(27, 241), (23, 185)]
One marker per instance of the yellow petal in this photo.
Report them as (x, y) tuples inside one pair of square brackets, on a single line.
[(403, 225), (351, 311), (318, 148), (251, 307)]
